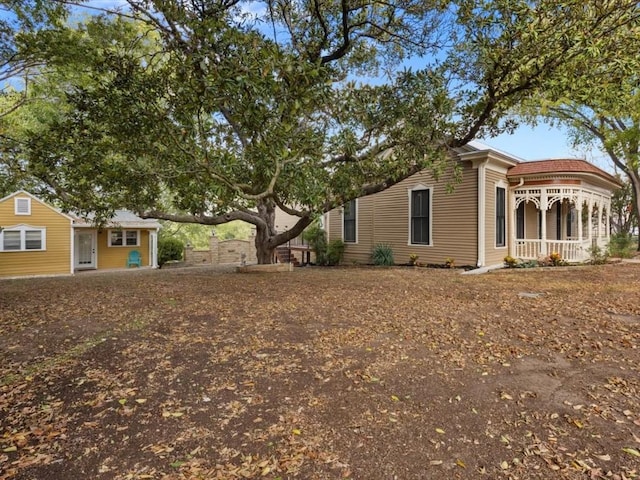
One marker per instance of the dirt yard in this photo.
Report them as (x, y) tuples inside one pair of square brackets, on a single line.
[(335, 373)]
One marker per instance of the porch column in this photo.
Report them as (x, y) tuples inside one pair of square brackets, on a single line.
[(590, 222), (154, 248), (600, 221), (512, 222), (579, 219), (543, 221)]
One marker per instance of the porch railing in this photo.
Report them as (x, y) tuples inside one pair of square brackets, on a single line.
[(569, 250)]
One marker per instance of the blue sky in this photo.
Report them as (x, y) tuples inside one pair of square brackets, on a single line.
[(543, 142), (534, 143)]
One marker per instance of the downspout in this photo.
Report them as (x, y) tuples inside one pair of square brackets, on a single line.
[(482, 176)]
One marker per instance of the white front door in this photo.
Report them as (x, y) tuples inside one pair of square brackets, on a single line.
[(85, 249)]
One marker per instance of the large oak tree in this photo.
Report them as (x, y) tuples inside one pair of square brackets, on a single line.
[(209, 111)]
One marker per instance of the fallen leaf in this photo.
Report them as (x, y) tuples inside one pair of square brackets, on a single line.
[(631, 451), (440, 431)]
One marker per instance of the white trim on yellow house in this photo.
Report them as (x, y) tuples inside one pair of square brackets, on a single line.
[(33, 197), (124, 220)]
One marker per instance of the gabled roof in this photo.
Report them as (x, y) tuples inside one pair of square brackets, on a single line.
[(122, 219), (42, 202), (559, 166)]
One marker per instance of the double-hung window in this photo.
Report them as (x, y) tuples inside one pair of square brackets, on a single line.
[(349, 219), (421, 216), (520, 221), (501, 220), (124, 238), (22, 238)]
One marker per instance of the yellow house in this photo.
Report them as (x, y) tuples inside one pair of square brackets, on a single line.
[(38, 239)]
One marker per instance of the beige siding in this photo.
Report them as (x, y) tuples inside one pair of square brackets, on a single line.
[(384, 218), (284, 221), (493, 254), (56, 259)]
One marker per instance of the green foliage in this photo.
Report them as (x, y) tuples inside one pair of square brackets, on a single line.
[(528, 264), (597, 255), (335, 252), (316, 237), (621, 245), (169, 248), (382, 254), (218, 119), (235, 229), (623, 211), (413, 259), (449, 262)]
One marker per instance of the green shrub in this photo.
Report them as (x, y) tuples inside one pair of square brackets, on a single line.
[(597, 256), (382, 255), (528, 264), (335, 252), (621, 245), (316, 237), (169, 248)]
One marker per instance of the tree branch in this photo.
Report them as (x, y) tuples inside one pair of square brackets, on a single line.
[(245, 216)]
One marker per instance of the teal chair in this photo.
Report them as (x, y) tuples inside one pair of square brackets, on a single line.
[(134, 258)]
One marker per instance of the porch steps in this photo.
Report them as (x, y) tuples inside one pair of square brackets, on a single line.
[(284, 255)]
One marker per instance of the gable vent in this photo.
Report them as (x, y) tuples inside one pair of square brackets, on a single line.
[(23, 206)]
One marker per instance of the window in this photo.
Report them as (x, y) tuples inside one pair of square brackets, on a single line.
[(124, 238), (22, 238), (421, 217), (349, 222), (571, 216), (501, 232), (520, 221), (23, 206)]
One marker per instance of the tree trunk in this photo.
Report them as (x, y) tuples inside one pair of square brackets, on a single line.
[(264, 235), (634, 176)]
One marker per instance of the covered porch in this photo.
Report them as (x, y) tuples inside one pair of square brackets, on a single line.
[(567, 220)]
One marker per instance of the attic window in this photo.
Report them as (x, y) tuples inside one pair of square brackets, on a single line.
[(23, 206)]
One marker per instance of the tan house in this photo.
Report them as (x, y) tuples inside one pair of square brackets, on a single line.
[(502, 206), (38, 239)]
